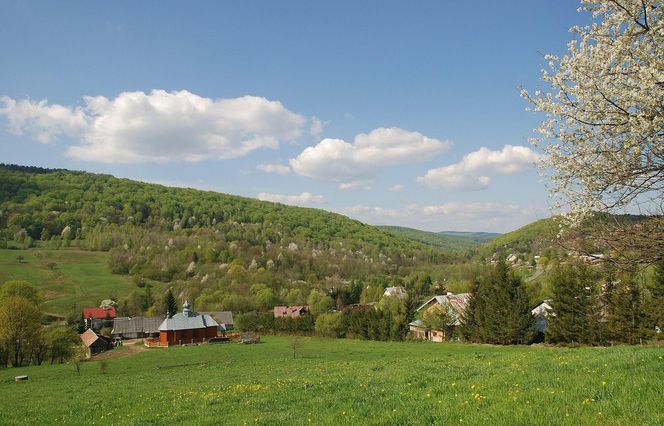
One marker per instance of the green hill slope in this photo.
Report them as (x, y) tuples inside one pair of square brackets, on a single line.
[(221, 251), (480, 237)]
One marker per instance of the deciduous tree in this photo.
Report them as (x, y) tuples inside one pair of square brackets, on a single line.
[(604, 131)]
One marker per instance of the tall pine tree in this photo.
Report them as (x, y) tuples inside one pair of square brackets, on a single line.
[(170, 304), (573, 319), (498, 311)]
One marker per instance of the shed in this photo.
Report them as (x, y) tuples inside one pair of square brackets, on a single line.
[(95, 343)]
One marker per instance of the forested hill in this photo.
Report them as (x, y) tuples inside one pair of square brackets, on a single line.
[(213, 245)]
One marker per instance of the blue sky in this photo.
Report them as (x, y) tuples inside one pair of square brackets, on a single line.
[(403, 113)]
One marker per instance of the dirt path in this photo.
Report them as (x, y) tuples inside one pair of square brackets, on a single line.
[(129, 347)]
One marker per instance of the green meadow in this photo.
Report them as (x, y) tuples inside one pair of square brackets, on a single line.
[(67, 279), (346, 382)]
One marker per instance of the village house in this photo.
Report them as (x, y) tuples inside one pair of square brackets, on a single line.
[(94, 317), (290, 311), (95, 343), (136, 327), (399, 292), (187, 327), (451, 305)]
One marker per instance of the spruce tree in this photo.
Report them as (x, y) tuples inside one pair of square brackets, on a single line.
[(627, 322), (498, 311), (572, 319), (170, 304), (655, 307)]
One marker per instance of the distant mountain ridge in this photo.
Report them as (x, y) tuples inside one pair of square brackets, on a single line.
[(480, 237), (454, 241)]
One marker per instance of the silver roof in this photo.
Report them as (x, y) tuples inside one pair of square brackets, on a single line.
[(136, 325), (188, 321), (222, 317)]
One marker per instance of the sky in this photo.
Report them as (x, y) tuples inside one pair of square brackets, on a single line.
[(393, 113)]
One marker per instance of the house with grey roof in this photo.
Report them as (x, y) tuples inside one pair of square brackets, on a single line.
[(136, 327), (449, 307)]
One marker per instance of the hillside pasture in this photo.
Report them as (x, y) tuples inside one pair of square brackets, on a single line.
[(346, 382), (67, 279)]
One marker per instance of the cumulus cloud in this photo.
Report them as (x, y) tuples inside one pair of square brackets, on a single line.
[(280, 169), (42, 121), (304, 199), (474, 171), (160, 126), (397, 188), (339, 161)]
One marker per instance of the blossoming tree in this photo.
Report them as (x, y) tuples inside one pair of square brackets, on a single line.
[(604, 127)]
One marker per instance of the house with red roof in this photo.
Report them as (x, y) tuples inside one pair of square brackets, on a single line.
[(290, 311), (94, 317)]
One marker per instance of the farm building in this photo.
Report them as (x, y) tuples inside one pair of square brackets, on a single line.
[(94, 317), (95, 343), (136, 327), (187, 327), (290, 311), (223, 318), (451, 305)]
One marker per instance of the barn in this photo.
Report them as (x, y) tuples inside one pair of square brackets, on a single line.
[(95, 343), (187, 327)]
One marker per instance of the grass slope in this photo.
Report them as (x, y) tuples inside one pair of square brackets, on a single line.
[(346, 382), (79, 278), (453, 243)]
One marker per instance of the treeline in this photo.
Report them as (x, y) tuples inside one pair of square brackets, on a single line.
[(387, 320), (590, 306), (605, 308)]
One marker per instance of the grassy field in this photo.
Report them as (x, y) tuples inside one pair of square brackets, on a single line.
[(66, 278), (346, 382)]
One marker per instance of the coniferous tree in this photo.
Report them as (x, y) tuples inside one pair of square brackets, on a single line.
[(170, 304), (655, 306), (498, 311), (627, 323), (573, 318)]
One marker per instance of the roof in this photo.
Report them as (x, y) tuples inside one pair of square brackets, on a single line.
[(397, 291), (290, 311), (222, 317), (543, 309), (137, 325), (454, 303), (99, 313), (187, 320), (89, 337)]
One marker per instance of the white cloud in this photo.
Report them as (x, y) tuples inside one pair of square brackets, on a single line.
[(339, 161), (160, 126), (397, 188), (303, 199), (474, 170), (42, 121), (316, 127), (280, 169)]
